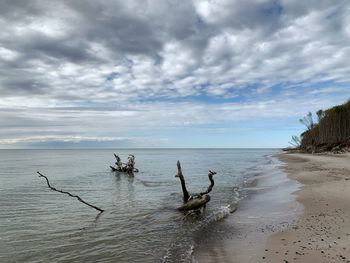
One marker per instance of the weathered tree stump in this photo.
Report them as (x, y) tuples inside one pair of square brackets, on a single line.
[(195, 201), (128, 167)]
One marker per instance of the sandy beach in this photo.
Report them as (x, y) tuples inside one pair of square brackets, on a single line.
[(322, 234), (301, 215)]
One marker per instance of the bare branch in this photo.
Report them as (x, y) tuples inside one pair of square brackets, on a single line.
[(210, 187), (308, 121), (128, 167), (186, 196), (68, 193), (295, 142), (194, 201)]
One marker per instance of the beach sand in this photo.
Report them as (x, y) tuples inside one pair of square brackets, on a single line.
[(322, 234), (302, 215)]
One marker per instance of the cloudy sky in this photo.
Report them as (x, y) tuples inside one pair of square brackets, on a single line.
[(168, 73)]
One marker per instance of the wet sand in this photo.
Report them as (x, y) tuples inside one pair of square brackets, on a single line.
[(322, 234), (302, 217), (268, 208)]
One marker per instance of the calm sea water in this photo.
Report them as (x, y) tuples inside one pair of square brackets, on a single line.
[(140, 222)]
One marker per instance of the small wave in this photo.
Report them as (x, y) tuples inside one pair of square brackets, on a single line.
[(218, 215), (153, 183), (185, 257), (182, 247)]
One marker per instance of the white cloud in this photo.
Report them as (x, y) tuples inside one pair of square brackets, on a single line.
[(48, 138), (7, 54), (133, 59)]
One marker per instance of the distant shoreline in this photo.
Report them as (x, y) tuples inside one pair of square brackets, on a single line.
[(135, 148)]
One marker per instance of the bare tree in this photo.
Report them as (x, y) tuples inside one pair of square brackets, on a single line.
[(320, 115), (295, 142), (308, 121)]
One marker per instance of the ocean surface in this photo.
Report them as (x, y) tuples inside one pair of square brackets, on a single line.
[(140, 222)]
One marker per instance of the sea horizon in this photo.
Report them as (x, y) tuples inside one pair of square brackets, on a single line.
[(151, 148)]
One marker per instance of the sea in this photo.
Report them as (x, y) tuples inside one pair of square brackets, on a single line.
[(140, 223)]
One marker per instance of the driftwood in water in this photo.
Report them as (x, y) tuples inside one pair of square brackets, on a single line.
[(118, 163), (210, 187), (183, 183), (128, 167), (194, 201), (68, 193)]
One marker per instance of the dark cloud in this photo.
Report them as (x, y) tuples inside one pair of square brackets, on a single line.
[(22, 10), (24, 87)]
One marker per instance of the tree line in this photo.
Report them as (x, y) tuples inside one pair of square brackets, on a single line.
[(331, 132)]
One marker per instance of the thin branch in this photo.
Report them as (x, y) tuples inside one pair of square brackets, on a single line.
[(68, 193), (210, 187)]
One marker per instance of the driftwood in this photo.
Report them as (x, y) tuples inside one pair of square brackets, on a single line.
[(195, 204), (197, 200), (68, 193), (186, 195), (210, 187), (128, 167), (118, 163)]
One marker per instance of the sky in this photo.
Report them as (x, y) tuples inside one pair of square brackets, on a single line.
[(166, 73)]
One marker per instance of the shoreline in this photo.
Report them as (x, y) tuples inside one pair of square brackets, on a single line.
[(309, 222), (268, 207), (322, 233)]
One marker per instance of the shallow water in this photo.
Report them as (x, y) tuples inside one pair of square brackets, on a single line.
[(140, 223), (269, 207)]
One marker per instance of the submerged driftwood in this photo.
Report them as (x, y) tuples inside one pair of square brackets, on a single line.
[(128, 167), (195, 204), (68, 193), (195, 201)]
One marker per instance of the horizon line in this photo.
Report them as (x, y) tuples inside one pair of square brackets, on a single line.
[(146, 148)]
